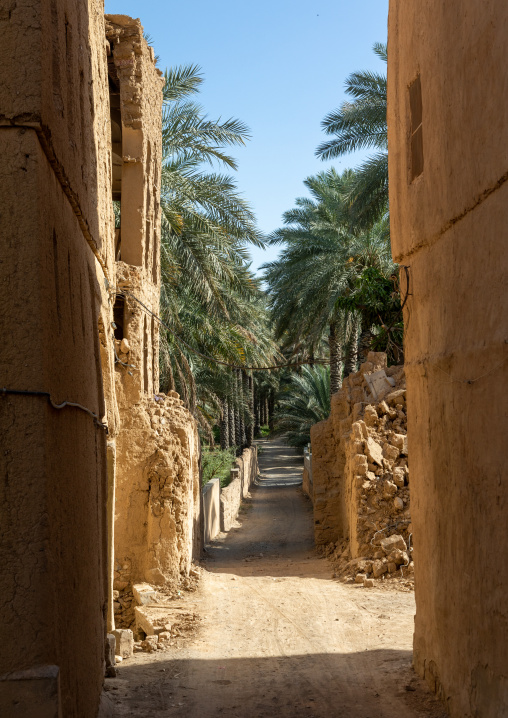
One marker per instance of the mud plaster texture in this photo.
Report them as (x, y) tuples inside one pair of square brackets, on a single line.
[(61, 265), (157, 498), (157, 485), (449, 225), (55, 185), (361, 477)]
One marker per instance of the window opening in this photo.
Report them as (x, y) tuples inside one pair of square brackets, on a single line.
[(148, 202), (119, 317), (116, 156)]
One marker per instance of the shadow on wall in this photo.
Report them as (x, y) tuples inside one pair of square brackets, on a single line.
[(317, 685)]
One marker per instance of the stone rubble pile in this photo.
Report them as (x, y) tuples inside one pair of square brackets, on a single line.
[(157, 617), (370, 426)]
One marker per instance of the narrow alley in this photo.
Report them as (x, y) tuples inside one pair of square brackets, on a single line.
[(278, 636)]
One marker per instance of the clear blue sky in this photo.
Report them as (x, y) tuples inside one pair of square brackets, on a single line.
[(280, 67)]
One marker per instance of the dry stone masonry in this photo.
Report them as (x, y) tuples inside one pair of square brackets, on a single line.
[(360, 474)]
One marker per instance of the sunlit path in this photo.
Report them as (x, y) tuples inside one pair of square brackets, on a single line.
[(279, 636)]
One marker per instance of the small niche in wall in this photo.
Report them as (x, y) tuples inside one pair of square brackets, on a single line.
[(119, 317), (416, 139)]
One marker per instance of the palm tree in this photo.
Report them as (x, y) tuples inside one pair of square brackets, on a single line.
[(318, 266), (206, 224), (211, 303), (361, 124), (302, 402)]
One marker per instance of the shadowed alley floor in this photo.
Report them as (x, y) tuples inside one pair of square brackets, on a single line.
[(279, 636)]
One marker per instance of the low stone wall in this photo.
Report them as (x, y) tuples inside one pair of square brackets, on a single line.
[(231, 497), (360, 472), (211, 509), (307, 481)]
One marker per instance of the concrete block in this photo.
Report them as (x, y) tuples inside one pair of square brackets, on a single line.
[(124, 642), (110, 650), (143, 593), (379, 384), (143, 622)]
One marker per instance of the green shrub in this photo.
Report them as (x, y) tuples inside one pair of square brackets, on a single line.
[(217, 463)]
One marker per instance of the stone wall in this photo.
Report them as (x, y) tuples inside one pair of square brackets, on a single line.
[(231, 496), (360, 472), (56, 231), (447, 67)]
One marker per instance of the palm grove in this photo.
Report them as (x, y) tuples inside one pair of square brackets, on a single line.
[(330, 296)]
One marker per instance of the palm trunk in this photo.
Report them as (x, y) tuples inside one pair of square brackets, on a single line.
[(241, 392), (365, 343), (271, 411), (257, 424), (250, 425), (238, 412), (231, 423), (351, 363), (224, 425), (335, 360)]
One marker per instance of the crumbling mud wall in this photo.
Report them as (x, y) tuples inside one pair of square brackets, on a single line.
[(157, 498), (80, 125), (56, 227), (360, 473), (447, 79), (157, 485)]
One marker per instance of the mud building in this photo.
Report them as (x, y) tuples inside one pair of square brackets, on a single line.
[(100, 472)]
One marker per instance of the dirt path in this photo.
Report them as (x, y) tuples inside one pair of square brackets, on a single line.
[(280, 637)]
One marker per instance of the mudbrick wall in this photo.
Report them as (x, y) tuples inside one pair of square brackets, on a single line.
[(447, 121), (157, 484), (80, 121), (56, 227), (361, 477)]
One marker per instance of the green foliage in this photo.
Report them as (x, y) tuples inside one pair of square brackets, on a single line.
[(318, 269), (210, 300), (303, 401), (117, 213), (217, 463), (361, 124), (376, 297)]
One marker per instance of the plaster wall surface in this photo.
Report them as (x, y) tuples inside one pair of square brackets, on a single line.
[(211, 510), (53, 78), (63, 488), (307, 485), (53, 489), (449, 225)]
